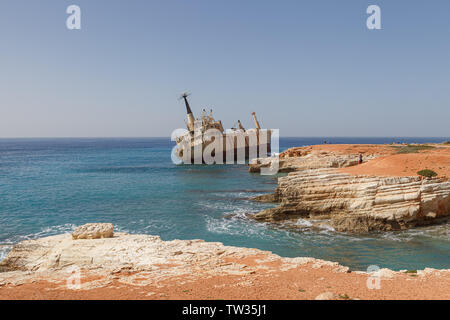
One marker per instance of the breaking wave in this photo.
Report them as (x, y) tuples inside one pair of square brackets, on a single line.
[(303, 223), (4, 249), (6, 245)]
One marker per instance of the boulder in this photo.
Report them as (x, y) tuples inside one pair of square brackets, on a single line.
[(93, 231)]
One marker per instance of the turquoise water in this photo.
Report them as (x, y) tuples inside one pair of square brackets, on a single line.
[(48, 186)]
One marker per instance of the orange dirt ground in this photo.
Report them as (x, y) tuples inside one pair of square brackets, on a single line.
[(406, 164), (301, 283)]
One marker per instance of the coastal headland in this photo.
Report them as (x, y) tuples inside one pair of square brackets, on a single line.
[(385, 192), (324, 183)]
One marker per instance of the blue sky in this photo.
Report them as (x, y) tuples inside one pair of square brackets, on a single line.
[(309, 68)]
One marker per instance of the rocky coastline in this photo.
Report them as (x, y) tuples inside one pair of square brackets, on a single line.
[(324, 183), (96, 263)]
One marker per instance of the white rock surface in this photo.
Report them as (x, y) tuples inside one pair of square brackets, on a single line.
[(146, 257), (327, 296), (93, 231), (360, 203), (142, 253)]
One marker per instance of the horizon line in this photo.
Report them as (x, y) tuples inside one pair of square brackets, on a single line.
[(168, 137)]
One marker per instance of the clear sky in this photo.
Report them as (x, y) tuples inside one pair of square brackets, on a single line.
[(309, 68)]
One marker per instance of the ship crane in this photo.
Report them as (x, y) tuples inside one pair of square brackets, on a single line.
[(256, 121), (241, 126)]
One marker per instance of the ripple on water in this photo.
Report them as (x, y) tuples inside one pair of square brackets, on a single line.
[(437, 232), (6, 245)]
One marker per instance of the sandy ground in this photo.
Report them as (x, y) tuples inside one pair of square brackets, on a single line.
[(301, 283), (405, 164)]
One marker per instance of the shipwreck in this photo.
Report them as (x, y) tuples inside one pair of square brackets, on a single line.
[(205, 141)]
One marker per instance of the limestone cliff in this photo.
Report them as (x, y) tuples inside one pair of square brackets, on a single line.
[(322, 156), (360, 203), (354, 203), (314, 160)]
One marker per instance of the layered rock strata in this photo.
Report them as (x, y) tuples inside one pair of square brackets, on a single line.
[(304, 158), (145, 267), (359, 203), (158, 259), (310, 161)]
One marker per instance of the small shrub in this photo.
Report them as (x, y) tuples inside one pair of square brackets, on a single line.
[(446, 142), (411, 271), (344, 297), (427, 173)]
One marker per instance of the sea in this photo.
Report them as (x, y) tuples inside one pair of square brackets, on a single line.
[(49, 186)]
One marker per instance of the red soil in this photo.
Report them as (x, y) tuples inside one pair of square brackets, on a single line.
[(301, 283)]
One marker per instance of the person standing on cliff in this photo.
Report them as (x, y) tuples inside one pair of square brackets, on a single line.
[(360, 158)]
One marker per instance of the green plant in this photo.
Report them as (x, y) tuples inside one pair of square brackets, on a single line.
[(413, 148), (344, 296), (411, 271), (427, 173), (301, 290)]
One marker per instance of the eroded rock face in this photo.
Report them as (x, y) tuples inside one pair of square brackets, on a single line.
[(143, 253), (94, 231), (146, 267), (359, 203), (299, 159)]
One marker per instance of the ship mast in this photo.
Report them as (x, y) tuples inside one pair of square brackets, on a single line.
[(190, 115)]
